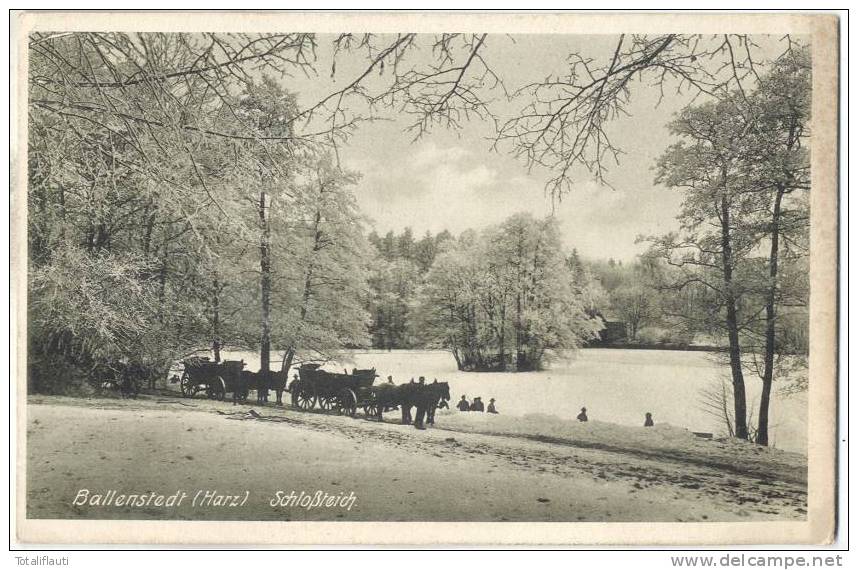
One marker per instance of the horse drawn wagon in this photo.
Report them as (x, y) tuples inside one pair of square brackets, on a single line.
[(215, 378), (341, 392), (345, 392)]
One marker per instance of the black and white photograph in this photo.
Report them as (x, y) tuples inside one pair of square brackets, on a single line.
[(364, 274)]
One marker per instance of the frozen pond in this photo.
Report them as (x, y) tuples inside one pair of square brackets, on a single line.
[(615, 385)]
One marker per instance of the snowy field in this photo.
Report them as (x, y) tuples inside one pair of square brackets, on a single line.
[(469, 467), (615, 385)]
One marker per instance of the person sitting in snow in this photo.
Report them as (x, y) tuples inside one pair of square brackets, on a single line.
[(491, 409), (648, 421), (477, 405), (582, 417), (463, 405)]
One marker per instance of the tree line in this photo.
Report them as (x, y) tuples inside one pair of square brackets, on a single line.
[(497, 299), (399, 267), (632, 296)]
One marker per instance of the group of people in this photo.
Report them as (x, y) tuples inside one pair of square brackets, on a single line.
[(421, 381), (582, 417), (476, 406)]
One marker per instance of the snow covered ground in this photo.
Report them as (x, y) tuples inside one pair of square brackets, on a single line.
[(469, 467), (616, 385)]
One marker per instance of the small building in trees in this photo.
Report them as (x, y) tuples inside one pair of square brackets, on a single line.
[(614, 331)]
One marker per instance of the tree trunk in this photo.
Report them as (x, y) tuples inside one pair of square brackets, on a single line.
[(265, 268), (149, 226), (771, 295), (216, 320), (739, 402), (288, 358), (458, 359), (502, 335), (518, 299), (63, 224), (518, 362), (308, 284), (162, 285)]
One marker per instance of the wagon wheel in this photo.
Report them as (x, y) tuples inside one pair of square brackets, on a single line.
[(327, 403), (304, 397), (219, 389), (370, 410), (346, 402), (187, 386)]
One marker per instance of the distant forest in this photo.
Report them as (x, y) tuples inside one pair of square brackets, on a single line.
[(498, 299), (398, 272), (626, 296)]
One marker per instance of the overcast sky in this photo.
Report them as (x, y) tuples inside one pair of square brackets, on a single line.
[(454, 181)]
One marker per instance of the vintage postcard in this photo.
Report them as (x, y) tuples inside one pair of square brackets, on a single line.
[(424, 278)]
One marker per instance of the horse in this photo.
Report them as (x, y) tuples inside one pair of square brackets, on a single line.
[(408, 396), (425, 397), (257, 381), (436, 391), (389, 396), (386, 397)]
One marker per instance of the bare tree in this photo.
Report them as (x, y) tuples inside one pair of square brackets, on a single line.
[(562, 125)]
